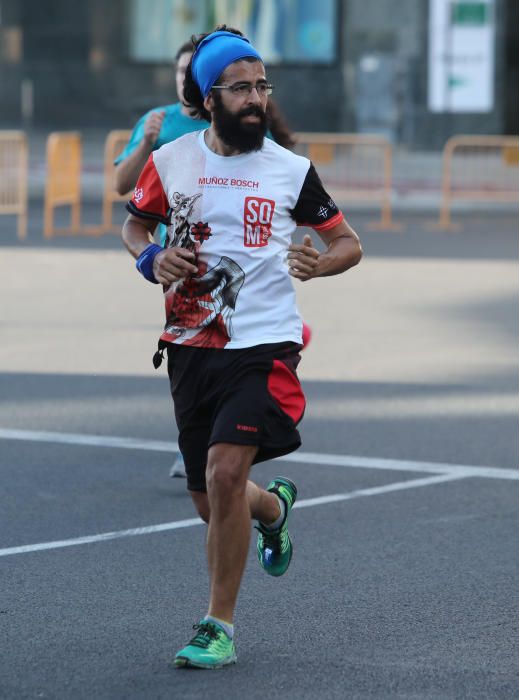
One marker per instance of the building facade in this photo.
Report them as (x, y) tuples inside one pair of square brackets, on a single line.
[(417, 70)]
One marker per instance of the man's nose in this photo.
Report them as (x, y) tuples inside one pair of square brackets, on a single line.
[(254, 96)]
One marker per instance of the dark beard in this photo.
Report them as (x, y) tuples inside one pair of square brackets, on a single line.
[(229, 127)]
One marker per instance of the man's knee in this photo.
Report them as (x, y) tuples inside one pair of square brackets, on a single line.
[(225, 478), (228, 468)]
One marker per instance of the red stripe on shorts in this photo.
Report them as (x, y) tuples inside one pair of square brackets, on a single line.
[(286, 391)]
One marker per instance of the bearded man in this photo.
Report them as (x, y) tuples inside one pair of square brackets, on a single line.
[(233, 332)]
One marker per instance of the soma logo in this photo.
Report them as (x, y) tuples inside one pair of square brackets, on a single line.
[(257, 221)]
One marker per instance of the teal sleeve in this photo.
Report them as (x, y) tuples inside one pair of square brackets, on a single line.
[(135, 139), (163, 233)]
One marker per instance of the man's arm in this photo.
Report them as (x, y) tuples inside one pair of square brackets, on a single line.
[(316, 209), (170, 264), (343, 250), (128, 170)]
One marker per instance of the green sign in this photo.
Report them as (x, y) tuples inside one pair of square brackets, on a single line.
[(472, 14)]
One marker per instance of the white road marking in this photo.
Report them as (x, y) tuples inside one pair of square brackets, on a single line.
[(88, 440), (101, 537), (191, 522), (400, 465), (376, 490)]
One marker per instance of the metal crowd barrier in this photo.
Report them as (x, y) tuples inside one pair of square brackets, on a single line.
[(14, 177), (354, 167), (478, 168), (114, 144), (63, 182)]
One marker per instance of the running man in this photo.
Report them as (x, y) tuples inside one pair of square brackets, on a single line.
[(162, 125), (232, 200)]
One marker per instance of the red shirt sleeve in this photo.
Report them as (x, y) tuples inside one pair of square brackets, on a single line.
[(149, 200)]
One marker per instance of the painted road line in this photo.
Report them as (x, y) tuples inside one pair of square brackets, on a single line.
[(376, 490), (400, 465), (332, 460), (101, 537), (82, 440), (192, 522)]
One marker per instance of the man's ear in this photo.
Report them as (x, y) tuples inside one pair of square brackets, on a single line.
[(209, 103)]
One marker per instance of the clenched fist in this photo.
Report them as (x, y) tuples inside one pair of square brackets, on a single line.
[(152, 127), (303, 259)]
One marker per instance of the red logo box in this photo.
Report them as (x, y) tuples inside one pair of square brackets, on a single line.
[(257, 221)]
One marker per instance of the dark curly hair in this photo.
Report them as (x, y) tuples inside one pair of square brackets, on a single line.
[(187, 47)]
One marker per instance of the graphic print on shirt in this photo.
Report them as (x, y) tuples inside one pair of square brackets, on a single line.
[(199, 309), (228, 232), (183, 212)]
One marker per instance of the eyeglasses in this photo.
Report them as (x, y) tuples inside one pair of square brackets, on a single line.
[(245, 89)]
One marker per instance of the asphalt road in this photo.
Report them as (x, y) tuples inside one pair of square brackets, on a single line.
[(404, 579)]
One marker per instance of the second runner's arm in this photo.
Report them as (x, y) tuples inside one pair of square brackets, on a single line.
[(127, 171)]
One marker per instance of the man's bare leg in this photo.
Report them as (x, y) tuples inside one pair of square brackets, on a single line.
[(234, 500), (263, 505), (229, 524)]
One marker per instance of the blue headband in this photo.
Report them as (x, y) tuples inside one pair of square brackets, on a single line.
[(214, 53)]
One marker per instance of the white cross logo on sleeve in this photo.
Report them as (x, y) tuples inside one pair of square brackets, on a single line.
[(323, 212)]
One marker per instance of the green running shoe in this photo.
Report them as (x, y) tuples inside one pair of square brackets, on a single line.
[(209, 648), (274, 547)]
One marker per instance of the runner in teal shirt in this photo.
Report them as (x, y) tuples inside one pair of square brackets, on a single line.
[(154, 129)]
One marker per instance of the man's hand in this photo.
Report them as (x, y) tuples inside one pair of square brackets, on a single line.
[(152, 127), (343, 251), (173, 264), (303, 259)]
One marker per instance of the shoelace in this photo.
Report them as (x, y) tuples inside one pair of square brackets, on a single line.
[(205, 635), (276, 541)]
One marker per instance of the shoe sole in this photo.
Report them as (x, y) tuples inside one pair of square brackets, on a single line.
[(184, 662)]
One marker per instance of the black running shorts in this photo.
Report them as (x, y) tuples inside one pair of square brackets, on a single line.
[(250, 396)]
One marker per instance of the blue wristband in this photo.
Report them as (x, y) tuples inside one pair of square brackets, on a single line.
[(145, 262)]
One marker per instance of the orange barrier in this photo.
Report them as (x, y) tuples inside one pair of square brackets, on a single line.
[(478, 168), (13, 177), (115, 142), (63, 183), (354, 167)]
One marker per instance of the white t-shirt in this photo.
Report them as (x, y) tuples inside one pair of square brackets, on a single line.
[(238, 215)]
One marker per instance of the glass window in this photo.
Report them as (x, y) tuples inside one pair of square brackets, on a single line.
[(283, 31), (159, 27)]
